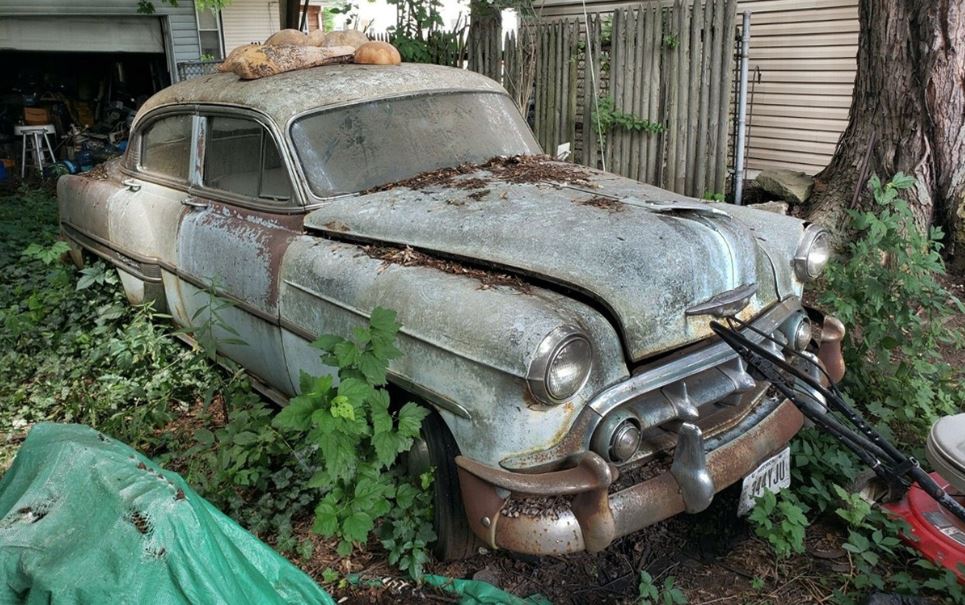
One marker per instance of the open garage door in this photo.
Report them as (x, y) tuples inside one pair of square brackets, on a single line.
[(82, 34)]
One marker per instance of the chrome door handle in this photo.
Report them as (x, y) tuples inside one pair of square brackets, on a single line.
[(132, 185), (193, 203)]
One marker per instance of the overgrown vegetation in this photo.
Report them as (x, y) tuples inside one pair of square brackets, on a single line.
[(605, 117), (887, 290), (356, 440), (73, 350)]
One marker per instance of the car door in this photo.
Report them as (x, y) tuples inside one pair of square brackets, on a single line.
[(144, 216), (241, 218)]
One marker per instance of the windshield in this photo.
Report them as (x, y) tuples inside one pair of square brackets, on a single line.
[(354, 148)]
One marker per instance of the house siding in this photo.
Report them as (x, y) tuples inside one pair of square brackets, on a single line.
[(181, 19), (246, 21), (802, 70)]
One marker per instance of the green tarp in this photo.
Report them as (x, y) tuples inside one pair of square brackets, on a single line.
[(86, 519)]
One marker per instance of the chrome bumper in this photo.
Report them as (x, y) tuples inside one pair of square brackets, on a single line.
[(589, 517)]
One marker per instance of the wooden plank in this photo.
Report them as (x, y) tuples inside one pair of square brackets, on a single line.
[(683, 96), (716, 63), (538, 85), (574, 84), (589, 137), (726, 77), (645, 86), (562, 128), (638, 139), (670, 55), (700, 156), (693, 114), (658, 102), (629, 30), (614, 146)]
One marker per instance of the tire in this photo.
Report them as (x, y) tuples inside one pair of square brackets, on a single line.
[(455, 540)]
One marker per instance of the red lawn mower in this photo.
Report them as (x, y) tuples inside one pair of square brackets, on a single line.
[(931, 503)]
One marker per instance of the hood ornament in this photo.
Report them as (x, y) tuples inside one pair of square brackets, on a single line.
[(725, 304)]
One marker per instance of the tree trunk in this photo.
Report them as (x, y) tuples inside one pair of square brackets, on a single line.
[(907, 114)]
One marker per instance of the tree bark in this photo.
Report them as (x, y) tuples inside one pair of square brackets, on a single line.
[(907, 114)]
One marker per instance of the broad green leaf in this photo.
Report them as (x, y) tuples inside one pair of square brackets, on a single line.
[(410, 419), (357, 526), (295, 416), (384, 320)]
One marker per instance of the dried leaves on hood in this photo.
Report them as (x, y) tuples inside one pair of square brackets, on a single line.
[(515, 169), (408, 257)]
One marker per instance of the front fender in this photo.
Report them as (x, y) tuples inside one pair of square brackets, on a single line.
[(466, 347)]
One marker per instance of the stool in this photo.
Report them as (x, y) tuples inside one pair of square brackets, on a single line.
[(35, 138)]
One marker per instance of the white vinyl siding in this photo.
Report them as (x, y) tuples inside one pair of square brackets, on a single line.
[(247, 21), (805, 51)]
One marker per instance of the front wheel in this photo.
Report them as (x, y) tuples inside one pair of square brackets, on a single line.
[(438, 450)]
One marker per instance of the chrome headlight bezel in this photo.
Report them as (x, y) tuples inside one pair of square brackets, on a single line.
[(816, 240), (547, 354)]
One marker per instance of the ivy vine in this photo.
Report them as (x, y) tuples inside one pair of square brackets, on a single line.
[(606, 117)]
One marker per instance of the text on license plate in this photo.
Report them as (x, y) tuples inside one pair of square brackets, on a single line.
[(773, 475)]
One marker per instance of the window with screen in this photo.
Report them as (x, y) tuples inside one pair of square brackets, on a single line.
[(166, 146), (209, 35), (240, 157)]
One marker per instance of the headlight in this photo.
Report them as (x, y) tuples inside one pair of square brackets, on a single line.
[(812, 254), (797, 331), (561, 365)]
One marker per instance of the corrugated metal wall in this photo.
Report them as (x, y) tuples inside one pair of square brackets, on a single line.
[(246, 21), (803, 52), (184, 27)]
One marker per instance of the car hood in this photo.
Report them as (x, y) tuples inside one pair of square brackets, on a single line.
[(641, 254)]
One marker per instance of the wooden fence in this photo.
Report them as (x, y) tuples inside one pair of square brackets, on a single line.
[(644, 93)]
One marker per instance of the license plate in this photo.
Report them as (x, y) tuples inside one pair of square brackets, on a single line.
[(773, 475)]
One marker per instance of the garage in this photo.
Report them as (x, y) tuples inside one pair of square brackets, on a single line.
[(81, 72)]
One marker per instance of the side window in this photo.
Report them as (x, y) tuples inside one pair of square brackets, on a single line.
[(240, 157), (166, 146)]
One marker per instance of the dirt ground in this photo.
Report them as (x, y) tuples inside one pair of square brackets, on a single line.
[(712, 559)]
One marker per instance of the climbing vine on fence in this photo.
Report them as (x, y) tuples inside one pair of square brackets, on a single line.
[(606, 117)]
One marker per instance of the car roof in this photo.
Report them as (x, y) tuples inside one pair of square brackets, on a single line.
[(288, 94)]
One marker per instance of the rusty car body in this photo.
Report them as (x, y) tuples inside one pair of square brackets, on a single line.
[(556, 317)]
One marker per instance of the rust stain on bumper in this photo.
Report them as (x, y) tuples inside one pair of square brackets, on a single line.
[(595, 519)]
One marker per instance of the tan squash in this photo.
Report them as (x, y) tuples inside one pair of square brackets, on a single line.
[(287, 37), (377, 53), (345, 37)]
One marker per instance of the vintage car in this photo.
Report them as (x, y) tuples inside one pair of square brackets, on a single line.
[(556, 318)]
